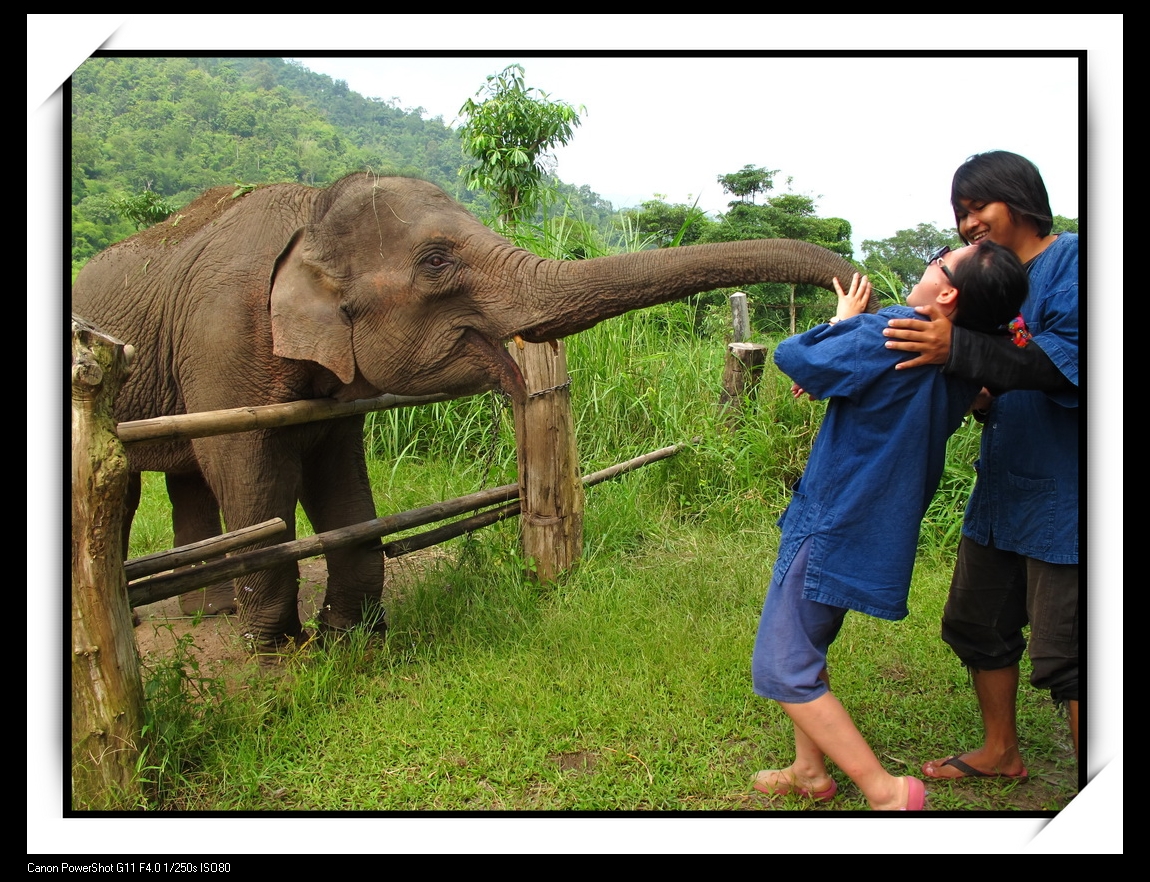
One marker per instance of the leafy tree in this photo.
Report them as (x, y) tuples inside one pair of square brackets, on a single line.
[(785, 216), (1064, 224), (904, 254), (665, 224), (143, 209), (508, 133), (177, 126), (748, 181)]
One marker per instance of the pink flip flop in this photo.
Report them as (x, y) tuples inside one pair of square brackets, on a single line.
[(915, 796)]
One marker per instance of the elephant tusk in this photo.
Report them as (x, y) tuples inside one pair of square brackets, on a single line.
[(518, 341)]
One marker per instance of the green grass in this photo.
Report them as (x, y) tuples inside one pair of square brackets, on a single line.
[(625, 689), (627, 686)]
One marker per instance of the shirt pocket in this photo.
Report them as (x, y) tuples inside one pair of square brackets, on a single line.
[(1031, 509)]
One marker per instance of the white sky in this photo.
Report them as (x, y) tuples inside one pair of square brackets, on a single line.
[(876, 138)]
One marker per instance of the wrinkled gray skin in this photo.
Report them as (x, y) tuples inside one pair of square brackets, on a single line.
[(371, 285)]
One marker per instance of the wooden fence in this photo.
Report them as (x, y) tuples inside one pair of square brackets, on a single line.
[(107, 695)]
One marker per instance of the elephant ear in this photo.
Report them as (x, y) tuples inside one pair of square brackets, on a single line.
[(307, 321)]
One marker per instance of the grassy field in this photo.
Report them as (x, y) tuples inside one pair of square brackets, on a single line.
[(626, 688)]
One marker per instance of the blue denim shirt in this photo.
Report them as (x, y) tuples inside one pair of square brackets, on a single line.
[(875, 464), (1025, 499)]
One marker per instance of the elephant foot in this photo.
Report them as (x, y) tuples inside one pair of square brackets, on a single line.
[(273, 648), (214, 601), (373, 620), (275, 654)]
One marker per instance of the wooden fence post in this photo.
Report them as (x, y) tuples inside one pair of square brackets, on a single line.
[(740, 317), (550, 491), (107, 694), (744, 363)]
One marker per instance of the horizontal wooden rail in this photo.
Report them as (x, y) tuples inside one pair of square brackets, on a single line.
[(266, 416), (198, 552), (169, 585)]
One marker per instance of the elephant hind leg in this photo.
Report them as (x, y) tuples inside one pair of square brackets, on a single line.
[(195, 517), (131, 503)]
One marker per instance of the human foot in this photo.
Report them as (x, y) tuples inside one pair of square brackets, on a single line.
[(967, 765), (910, 797), (780, 782)]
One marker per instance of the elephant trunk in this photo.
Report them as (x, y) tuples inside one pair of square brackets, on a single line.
[(583, 293)]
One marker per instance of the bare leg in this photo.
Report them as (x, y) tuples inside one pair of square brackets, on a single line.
[(828, 726), (997, 693), (809, 770)]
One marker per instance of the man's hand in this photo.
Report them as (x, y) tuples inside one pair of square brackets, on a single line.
[(931, 340), (853, 302), (798, 391)]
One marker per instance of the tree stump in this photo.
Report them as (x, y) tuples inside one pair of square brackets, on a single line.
[(107, 694), (741, 374), (550, 491)]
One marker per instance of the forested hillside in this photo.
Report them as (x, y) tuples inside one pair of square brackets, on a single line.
[(173, 127), (149, 134)]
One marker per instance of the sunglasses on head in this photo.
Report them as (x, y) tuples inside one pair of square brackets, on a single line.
[(937, 258)]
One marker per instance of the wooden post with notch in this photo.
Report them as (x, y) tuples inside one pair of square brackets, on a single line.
[(744, 363), (550, 490), (107, 694)]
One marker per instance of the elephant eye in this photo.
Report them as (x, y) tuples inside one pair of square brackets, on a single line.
[(437, 262)]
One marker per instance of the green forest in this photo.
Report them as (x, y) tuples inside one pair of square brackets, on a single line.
[(173, 127)]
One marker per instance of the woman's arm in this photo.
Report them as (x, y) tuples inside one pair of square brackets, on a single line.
[(995, 362)]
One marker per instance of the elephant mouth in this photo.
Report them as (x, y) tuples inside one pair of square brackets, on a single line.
[(499, 365)]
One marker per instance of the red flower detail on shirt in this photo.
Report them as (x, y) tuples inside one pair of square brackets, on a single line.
[(1019, 333)]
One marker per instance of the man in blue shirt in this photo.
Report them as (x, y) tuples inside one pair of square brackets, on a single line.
[(1018, 559), (850, 532)]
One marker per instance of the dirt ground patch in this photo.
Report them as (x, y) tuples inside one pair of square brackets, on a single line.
[(218, 642)]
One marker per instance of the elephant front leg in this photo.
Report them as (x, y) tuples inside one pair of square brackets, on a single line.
[(268, 616), (336, 493), (195, 517), (256, 479), (354, 590)]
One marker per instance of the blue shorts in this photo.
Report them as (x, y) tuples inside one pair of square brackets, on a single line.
[(794, 635)]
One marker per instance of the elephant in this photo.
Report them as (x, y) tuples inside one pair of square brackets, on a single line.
[(370, 285)]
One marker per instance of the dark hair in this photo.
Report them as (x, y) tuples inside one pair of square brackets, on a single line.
[(991, 283), (999, 176)]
